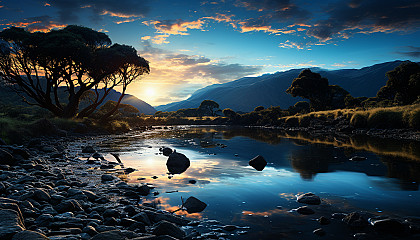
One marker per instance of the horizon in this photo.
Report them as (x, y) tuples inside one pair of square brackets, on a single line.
[(194, 44)]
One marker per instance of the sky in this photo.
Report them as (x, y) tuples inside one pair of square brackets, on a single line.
[(195, 43)]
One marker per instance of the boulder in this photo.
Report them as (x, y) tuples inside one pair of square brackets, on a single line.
[(258, 163), (193, 205), (68, 206), (355, 220), (109, 235), (177, 163), (388, 225), (42, 195), (170, 229), (107, 177), (29, 235), (305, 210), (6, 158), (10, 223), (88, 149), (319, 232), (166, 151), (308, 198)]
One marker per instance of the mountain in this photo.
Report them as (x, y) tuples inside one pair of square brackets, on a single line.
[(269, 89), (9, 97)]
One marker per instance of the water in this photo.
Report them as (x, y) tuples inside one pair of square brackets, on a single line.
[(387, 182)]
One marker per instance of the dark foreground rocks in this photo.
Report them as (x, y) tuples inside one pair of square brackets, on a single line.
[(48, 191)]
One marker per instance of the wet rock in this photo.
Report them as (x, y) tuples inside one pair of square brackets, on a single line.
[(10, 223), (357, 159), (142, 217), (319, 232), (177, 163), (305, 210), (88, 149), (68, 206), (29, 235), (90, 230), (109, 235), (323, 220), (170, 229), (192, 181), (355, 220), (107, 177), (229, 228), (308, 198), (6, 158), (387, 225), (143, 190), (42, 195), (193, 205), (166, 151), (44, 220), (339, 216), (258, 163), (111, 213)]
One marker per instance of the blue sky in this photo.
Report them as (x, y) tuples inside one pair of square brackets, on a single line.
[(191, 44)]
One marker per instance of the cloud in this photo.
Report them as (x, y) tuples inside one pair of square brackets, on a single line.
[(67, 9), (281, 10), (179, 75), (37, 24), (172, 27), (410, 51), (347, 18), (289, 44)]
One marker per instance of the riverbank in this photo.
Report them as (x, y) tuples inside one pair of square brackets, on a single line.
[(50, 187)]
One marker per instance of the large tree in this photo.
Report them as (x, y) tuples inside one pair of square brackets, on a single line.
[(403, 85), (38, 66), (321, 95)]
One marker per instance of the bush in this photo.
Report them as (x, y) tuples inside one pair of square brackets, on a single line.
[(412, 118), (359, 120), (385, 118)]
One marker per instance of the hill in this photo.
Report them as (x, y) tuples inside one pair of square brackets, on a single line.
[(269, 89), (11, 98)]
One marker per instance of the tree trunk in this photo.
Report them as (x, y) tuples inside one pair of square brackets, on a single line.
[(109, 114)]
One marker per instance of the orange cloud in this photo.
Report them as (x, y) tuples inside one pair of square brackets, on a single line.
[(120, 15), (175, 28), (125, 21), (244, 28), (289, 44), (37, 24)]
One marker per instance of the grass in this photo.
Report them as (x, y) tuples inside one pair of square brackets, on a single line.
[(390, 117)]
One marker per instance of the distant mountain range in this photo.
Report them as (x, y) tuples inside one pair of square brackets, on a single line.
[(269, 90), (9, 97)]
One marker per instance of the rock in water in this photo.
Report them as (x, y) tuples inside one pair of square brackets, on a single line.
[(10, 223), (88, 149), (355, 220), (388, 225), (258, 163), (177, 163), (308, 198), (6, 158), (357, 159), (166, 151), (305, 210), (167, 228), (193, 205)]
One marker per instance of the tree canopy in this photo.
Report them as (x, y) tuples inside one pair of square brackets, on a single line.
[(321, 95), (38, 66), (403, 85)]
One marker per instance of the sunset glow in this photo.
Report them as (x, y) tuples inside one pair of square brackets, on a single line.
[(193, 44)]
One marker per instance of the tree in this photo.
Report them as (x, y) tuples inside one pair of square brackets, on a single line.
[(38, 66), (259, 108), (403, 85), (321, 95), (229, 113), (209, 106)]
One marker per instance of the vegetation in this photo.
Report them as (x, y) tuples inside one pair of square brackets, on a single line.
[(76, 60)]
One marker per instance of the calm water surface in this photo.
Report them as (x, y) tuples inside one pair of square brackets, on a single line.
[(386, 183)]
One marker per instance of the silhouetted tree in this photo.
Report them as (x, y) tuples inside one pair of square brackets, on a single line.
[(403, 85), (322, 96), (229, 113), (37, 65), (209, 106)]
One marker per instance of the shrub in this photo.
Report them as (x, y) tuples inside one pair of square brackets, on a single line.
[(359, 119), (385, 118)]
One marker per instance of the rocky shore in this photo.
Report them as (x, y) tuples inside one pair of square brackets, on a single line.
[(48, 190)]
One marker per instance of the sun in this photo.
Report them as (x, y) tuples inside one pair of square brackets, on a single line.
[(150, 92)]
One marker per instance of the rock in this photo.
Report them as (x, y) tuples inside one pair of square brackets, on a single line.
[(88, 149), (6, 158), (68, 206), (258, 163), (192, 181), (143, 190), (166, 151), (142, 217), (177, 163), (10, 223), (2, 142), (90, 230), (109, 235), (229, 228), (193, 205), (29, 235), (107, 177), (357, 159), (388, 225), (305, 210), (21, 152), (167, 228), (319, 232), (90, 195), (44, 220), (323, 220), (308, 198), (111, 213), (355, 220), (42, 195)]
